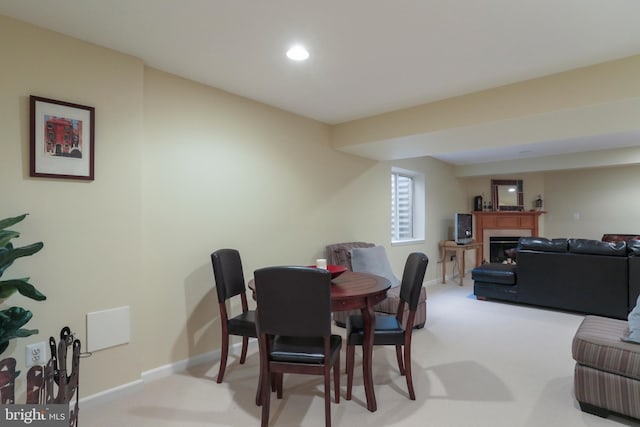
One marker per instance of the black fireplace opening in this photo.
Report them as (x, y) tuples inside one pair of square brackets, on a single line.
[(499, 244)]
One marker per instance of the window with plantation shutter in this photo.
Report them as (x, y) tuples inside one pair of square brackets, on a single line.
[(407, 206), (401, 207)]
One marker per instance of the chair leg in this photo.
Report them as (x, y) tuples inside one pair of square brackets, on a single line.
[(263, 372), (407, 368), (266, 399), (336, 379), (346, 361), (245, 345), (274, 385), (351, 355), (399, 357), (278, 384), (259, 392), (327, 397), (223, 357)]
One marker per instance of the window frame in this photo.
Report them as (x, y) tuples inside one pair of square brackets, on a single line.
[(417, 205)]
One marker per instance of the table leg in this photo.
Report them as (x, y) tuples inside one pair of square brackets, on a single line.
[(367, 356), (462, 266), (443, 255)]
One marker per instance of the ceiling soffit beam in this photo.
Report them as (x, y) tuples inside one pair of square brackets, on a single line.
[(583, 160), (602, 84), (558, 128)]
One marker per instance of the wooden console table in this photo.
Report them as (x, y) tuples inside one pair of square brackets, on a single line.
[(449, 247)]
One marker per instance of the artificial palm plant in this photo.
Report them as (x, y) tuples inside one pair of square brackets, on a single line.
[(13, 319)]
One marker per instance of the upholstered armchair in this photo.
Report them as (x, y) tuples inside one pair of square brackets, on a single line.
[(340, 254)]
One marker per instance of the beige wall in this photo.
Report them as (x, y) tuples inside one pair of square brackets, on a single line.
[(91, 230), (589, 203), (181, 169), (222, 171)]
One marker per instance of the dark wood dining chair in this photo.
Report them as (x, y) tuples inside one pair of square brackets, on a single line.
[(294, 324), (227, 270), (390, 330)]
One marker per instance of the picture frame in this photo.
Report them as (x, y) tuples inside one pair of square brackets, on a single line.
[(507, 195), (61, 139)]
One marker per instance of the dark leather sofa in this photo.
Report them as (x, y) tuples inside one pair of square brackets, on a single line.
[(580, 275)]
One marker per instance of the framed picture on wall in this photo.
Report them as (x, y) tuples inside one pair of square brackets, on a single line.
[(62, 139)]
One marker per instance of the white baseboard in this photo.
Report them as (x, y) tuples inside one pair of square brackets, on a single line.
[(154, 374), (432, 282), (180, 366), (112, 394)]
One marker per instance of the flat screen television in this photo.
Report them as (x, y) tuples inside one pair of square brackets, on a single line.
[(463, 228)]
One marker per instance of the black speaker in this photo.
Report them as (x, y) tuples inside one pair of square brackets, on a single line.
[(477, 203)]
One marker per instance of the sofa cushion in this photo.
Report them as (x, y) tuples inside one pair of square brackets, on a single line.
[(373, 260), (597, 247), (504, 274), (542, 244)]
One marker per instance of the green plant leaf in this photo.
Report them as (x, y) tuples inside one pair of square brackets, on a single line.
[(12, 319), (6, 236), (8, 254), (15, 316), (7, 290), (18, 333), (8, 222), (11, 322), (23, 333), (3, 251), (9, 287)]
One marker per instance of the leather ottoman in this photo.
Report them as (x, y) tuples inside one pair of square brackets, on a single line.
[(495, 280)]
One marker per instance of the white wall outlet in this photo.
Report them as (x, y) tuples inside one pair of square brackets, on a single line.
[(36, 354)]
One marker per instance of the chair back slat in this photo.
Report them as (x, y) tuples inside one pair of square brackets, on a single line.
[(412, 279), (293, 301), (227, 271)]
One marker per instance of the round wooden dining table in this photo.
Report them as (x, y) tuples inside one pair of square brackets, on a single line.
[(359, 291)]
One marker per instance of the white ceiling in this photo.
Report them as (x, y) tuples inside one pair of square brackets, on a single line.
[(367, 56)]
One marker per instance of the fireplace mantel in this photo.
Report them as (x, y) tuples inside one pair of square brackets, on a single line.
[(504, 220)]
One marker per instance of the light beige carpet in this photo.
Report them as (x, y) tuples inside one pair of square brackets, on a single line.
[(476, 363)]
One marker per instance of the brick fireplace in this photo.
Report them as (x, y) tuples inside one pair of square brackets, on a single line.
[(503, 224)]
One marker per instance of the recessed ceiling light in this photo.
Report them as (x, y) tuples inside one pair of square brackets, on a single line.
[(298, 53)]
